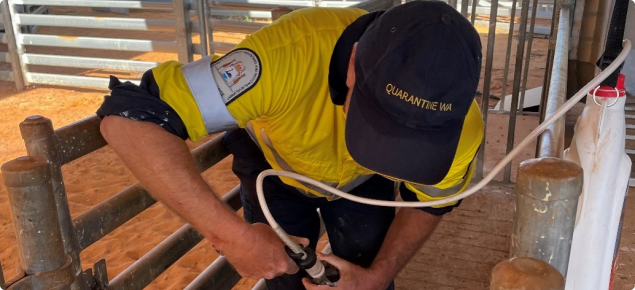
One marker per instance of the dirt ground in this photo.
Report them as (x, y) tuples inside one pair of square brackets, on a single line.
[(99, 175)]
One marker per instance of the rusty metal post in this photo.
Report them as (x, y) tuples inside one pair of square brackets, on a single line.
[(40, 140), (15, 47), (3, 284), (183, 31), (525, 274), (547, 191), (279, 11), (40, 245)]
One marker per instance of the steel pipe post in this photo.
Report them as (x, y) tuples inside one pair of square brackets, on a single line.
[(551, 142), (210, 25), (183, 31), (525, 74), (40, 140), (279, 11), (525, 274), (510, 38), (16, 50), (547, 191), (550, 55), (202, 24), (489, 60), (37, 228), (464, 4), (3, 284), (473, 14), (520, 50)]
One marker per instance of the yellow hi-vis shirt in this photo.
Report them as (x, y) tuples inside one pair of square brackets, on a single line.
[(275, 83)]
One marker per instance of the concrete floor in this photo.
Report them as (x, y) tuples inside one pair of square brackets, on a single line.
[(472, 239), (467, 244)]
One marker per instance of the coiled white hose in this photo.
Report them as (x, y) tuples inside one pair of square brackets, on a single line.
[(626, 48)]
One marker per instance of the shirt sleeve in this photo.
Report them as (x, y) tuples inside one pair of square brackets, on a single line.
[(460, 173), (416, 192), (186, 107), (141, 103)]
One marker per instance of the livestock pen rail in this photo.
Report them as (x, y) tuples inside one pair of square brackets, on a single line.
[(191, 33), (6, 33), (50, 250), (190, 18), (29, 176), (22, 60)]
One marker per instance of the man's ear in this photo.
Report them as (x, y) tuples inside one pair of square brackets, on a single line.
[(350, 73)]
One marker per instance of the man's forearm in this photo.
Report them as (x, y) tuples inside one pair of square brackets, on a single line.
[(410, 229), (163, 164)]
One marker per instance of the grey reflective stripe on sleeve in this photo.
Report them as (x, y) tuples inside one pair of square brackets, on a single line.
[(250, 130), (437, 192), (216, 117)]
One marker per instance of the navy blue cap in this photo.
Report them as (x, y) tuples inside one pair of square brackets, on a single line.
[(338, 66), (417, 68)]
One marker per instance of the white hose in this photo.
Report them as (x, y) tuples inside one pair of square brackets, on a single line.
[(560, 112)]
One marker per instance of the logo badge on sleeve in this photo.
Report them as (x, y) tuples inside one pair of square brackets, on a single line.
[(239, 71)]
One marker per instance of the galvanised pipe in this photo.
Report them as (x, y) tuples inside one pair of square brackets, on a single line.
[(511, 130), (153, 5), (37, 229), (2, 282), (220, 275), (547, 192), (552, 140), (40, 140), (464, 5), (202, 23), (528, 58), (473, 15), (510, 38), (183, 31), (16, 50), (152, 264), (140, 24), (525, 274), (108, 215), (102, 219), (489, 59)]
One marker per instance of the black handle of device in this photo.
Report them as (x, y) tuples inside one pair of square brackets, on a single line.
[(330, 272)]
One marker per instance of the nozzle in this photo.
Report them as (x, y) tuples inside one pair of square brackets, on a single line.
[(322, 274)]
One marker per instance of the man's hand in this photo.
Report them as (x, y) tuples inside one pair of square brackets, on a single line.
[(163, 164), (406, 235), (352, 277), (259, 253)]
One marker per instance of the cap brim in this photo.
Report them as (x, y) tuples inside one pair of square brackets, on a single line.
[(381, 145)]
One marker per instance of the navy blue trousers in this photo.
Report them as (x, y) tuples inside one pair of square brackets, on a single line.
[(355, 231)]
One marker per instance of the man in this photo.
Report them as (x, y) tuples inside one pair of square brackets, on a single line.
[(334, 94)]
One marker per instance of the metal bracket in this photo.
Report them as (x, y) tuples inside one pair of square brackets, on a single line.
[(58, 279), (101, 275), (98, 280)]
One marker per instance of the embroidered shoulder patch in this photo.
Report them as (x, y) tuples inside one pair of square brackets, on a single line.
[(236, 73)]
